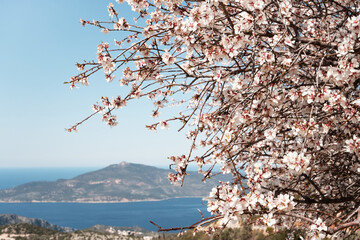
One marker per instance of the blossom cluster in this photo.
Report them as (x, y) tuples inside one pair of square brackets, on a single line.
[(268, 91)]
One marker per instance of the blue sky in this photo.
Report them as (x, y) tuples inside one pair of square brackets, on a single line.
[(41, 41)]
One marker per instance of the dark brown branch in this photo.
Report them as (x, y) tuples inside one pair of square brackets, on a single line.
[(326, 200), (223, 8)]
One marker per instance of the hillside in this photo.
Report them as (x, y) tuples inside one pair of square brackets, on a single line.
[(16, 227), (30, 232), (6, 219), (116, 183)]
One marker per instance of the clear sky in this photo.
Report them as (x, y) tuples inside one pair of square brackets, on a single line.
[(41, 41)]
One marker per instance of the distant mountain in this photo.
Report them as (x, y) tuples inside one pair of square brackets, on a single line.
[(116, 183), (6, 219)]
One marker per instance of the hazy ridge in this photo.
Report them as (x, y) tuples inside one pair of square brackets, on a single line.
[(121, 182)]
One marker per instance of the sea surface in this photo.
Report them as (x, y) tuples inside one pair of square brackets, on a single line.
[(167, 213)]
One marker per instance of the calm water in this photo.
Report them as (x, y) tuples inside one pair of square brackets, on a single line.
[(11, 177), (167, 213)]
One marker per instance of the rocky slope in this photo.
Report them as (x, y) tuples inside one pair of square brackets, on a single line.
[(6, 219)]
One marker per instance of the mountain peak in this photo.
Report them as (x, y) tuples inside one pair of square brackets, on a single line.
[(123, 163)]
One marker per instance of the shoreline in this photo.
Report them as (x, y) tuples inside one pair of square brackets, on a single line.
[(122, 201)]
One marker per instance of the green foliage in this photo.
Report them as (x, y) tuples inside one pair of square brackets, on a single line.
[(280, 235), (243, 233), (283, 234), (188, 235), (269, 230)]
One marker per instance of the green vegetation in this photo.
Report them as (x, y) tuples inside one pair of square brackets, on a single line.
[(25, 228), (26, 231), (243, 233), (6, 219)]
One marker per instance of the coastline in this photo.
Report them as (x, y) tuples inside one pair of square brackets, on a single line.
[(122, 201)]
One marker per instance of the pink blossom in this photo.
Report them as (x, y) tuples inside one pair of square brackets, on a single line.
[(167, 58)]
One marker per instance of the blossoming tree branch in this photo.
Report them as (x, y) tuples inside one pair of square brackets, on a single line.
[(274, 88)]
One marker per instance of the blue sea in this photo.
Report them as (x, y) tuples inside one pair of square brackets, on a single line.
[(167, 213), (11, 177)]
